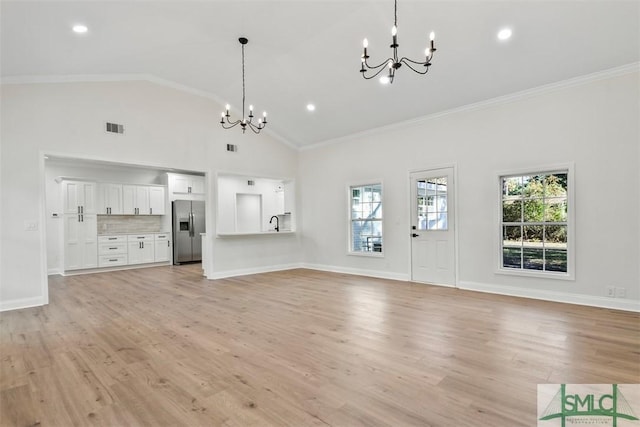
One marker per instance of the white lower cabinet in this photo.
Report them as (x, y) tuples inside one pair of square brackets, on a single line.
[(112, 251), (162, 245), (140, 248), (80, 241)]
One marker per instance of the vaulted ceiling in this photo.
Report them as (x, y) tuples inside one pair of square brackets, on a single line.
[(302, 52)]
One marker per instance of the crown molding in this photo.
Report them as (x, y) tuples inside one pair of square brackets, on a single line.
[(516, 96)]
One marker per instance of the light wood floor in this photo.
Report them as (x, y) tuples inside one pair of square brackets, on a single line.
[(163, 346)]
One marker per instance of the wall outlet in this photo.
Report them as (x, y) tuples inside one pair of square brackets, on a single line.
[(611, 291), (621, 292)]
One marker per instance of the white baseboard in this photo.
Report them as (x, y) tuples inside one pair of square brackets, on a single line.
[(555, 296), (253, 270), (22, 303), (53, 271), (116, 268), (359, 272)]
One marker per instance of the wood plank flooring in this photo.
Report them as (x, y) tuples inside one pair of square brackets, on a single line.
[(163, 346)]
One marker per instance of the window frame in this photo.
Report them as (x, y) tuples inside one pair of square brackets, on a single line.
[(350, 220), (567, 168)]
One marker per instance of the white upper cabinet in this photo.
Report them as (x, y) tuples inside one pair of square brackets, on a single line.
[(197, 185), (192, 186), (135, 200), (157, 202), (79, 197), (109, 199)]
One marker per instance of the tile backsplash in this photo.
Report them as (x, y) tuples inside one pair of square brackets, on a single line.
[(129, 224)]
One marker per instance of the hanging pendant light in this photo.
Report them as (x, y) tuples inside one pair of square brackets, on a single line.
[(246, 121), (392, 64)]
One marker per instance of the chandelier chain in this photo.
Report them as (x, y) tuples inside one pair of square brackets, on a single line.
[(395, 20), (243, 87)]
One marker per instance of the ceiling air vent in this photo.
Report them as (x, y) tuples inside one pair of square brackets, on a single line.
[(115, 128), (232, 147), (251, 182)]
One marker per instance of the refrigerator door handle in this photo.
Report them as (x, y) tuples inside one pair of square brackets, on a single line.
[(191, 221)]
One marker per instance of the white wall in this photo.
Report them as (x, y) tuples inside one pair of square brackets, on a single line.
[(593, 124), (163, 127)]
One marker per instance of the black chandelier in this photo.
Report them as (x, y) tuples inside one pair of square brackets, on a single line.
[(394, 63), (244, 123)]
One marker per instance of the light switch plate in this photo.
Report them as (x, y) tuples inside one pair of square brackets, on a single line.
[(31, 226)]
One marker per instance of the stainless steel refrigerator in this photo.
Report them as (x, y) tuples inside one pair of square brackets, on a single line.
[(188, 223)]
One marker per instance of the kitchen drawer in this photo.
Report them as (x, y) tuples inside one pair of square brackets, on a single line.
[(162, 236), (112, 260), (112, 248), (112, 239), (139, 238)]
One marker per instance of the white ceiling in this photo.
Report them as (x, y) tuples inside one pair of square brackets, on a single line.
[(309, 51)]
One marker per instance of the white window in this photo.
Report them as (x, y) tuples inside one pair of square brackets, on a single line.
[(535, 223), (365, 219)]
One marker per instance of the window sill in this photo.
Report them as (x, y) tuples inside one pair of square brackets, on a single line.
[(367, 254), (535, 273)]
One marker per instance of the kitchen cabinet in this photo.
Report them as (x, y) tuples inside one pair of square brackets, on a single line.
[(112, 251), (187, 184), (135, 199), (157, 203), (79, 197), (109, 199), (162, 244), (143, 200), (140, 248), (80, 241)]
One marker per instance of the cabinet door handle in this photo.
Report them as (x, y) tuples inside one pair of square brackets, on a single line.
[(113, 249), (78, 209), (150, 211), (78, 217), (113, 259), (113, 238), (168, 244), (81, 209), (81, 218)]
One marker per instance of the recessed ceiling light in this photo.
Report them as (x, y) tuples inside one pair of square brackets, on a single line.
[(504, 34), (80, 29), (311, 107)]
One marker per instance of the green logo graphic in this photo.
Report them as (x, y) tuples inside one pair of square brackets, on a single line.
[(588, 405)]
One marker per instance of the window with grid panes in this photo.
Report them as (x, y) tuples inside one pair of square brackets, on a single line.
[(534, 222), (366, 218)]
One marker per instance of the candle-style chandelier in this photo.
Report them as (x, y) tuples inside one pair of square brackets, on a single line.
[(394, 63), (246, 121)]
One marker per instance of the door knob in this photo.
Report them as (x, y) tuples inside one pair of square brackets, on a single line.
[(414, 235)]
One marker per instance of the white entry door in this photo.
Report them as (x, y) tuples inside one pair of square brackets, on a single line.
[(433, 254)]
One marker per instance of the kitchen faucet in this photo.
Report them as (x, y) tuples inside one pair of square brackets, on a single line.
[(277, 222)]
